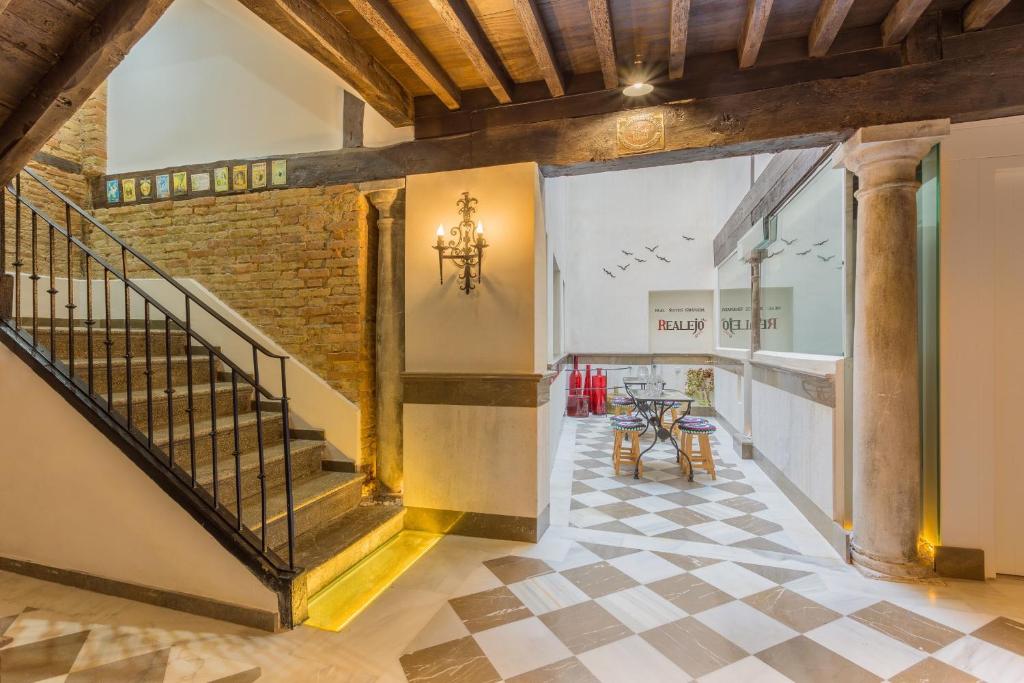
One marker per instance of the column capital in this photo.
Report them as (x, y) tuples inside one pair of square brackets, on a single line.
[(881, 155), (388, 199)]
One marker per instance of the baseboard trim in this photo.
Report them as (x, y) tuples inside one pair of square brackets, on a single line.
[(478, 524), (183, 602), (833, 532), (960, 563), (746, 446)]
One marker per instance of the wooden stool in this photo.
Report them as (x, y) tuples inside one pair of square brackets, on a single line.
[(703, 457), (621, 405), (624, 428)]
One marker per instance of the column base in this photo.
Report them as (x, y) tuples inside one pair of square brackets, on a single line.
[(886, 568)]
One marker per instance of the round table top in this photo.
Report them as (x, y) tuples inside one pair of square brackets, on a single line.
[(663, 396)]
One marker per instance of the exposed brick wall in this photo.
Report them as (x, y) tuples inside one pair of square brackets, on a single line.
[(83, 139), (299, 264)]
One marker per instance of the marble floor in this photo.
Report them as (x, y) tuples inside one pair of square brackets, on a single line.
[(590, 602)]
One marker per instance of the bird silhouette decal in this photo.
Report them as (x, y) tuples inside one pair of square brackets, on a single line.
[(626, 253), (623, 268), (803, 253), (789, 243), (774, 254), (652, 249), (688, 238), (826, 260), (662, 258), (609, 273), (639, 260), (821, 243)]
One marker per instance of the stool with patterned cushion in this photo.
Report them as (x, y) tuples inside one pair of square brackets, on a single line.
[(701, 430), (627, 427), (671, 415), (622, 405), (687, 420)]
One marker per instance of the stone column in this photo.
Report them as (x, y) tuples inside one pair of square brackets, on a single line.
[(886, 407), (388, 197)]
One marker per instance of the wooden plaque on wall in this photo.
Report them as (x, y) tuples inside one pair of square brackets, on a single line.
[(640, 132)]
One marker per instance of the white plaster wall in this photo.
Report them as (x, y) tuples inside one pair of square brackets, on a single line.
[(70, 499), (599, 215), (980, 322), (213, 81), (796, 435), (729, 397), (474, 459)]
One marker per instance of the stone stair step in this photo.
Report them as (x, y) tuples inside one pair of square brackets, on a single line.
[(157, 344), (119, 372), (306, 457), (273, 434), (329, 551), (318, 500), (202, 401)]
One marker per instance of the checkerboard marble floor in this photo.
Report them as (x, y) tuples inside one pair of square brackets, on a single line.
[(584, 604)]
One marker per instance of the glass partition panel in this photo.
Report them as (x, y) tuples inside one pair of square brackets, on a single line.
[(734, 303), (802, 273)]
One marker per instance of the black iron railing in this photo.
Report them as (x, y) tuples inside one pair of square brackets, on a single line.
[(34, 246)]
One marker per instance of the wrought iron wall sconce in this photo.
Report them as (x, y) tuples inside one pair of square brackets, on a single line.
[(466, 248)]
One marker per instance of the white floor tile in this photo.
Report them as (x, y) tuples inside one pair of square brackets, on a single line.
[(716, 511), (630, 660), (640, 608), (720, 532), (749, 670), (588, 517), (603, 484), (651, 524), (751, 629), (655, 489), (653, 503), (645, 567), (733, 579), (595, 498), (984, 660), (866, 647), (548, 592), (521, 646)]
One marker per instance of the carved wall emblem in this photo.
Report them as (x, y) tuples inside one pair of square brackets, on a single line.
[(640, 132)]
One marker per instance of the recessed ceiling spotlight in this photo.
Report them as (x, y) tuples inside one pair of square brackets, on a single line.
[(637, 89)]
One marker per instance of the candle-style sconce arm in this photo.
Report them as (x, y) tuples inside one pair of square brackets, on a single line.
[(466, 248)]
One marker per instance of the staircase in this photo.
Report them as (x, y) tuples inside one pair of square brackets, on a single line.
[(203, 424)]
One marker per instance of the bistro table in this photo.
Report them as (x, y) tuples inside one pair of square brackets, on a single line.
[(652, 402)]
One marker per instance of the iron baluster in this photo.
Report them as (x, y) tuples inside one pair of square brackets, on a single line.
[(259, 447), (52, 291), (170, 392), (18, 263), (3, 230), (238, 451), (71, 295), (108, 342), (287, 467), (34, 277), (89, 322), (149, 374), (128, 355), (191, 405), (213, 431)]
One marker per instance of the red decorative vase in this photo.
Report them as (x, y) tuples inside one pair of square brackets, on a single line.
[(575, 404), (588, 388), (600, 392)]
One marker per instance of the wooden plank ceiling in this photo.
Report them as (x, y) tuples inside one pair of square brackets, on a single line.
[(54, 54), (467, 55)]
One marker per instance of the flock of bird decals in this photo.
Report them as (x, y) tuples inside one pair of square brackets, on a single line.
[(637, 259), (688, 238)]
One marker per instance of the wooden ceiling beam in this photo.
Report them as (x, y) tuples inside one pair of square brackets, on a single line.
[(83, 67), (753, 31), (604, 39), (396, 33), (980, 12), (901, 18), (827, 22), (679, 25), (540, 45), (309, 25), (460, 21)]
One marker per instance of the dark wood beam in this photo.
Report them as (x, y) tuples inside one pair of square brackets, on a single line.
[(901, 18), (679, 25), (352, 114), (309, 25), (782, 62), (464, 27), (827, 22), (604, 40), (68, 84), (984, 83), (540, 45), (980, 12), (383, 19), (752, 36)]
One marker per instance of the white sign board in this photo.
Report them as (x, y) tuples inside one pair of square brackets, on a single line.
[(680, 321)]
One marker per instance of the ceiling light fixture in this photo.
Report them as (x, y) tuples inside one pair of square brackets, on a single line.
[(638, 89)]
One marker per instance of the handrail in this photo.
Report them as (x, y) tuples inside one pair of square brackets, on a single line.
[(152, 266), (27, 241)]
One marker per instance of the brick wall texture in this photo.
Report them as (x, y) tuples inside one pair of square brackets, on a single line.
[(300, 264)]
